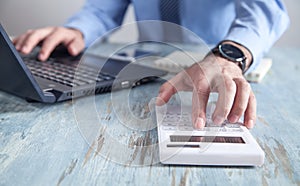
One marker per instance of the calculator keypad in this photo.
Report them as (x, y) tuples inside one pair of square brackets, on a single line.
[(183, 122)]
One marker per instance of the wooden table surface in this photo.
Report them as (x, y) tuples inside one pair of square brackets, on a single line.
[(109, 139)]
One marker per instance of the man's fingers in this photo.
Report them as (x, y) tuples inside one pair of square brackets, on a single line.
[(33, 37), (201, 93), (75, 46), (235, 99), (193, 79), (26, 42), (51, 37), (165, 93), (250, 113), (71, 38), (54, 39), (181, 82), (240, 101), (227, 90), (18, 41), (200, 98)]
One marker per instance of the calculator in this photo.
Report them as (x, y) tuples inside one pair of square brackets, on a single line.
[(229, 144)]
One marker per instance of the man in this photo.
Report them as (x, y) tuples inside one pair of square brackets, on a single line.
[(241, 30)]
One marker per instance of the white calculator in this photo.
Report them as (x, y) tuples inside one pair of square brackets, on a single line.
[(225, 145)]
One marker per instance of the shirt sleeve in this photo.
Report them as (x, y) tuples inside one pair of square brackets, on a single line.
[(258, 24), (97, 17)]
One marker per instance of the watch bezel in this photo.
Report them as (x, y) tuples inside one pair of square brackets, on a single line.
[(241, 61)]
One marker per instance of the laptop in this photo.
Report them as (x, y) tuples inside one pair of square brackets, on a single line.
[(64, 77)]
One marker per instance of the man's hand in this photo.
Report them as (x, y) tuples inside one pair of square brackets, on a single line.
[(214, 74), (51, 37)]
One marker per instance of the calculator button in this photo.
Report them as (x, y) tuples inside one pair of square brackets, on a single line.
[(168, 124), (171, 119), (169, 128), (232, 125), (186, 119), (185, 128), (212, 129), (202, 129), (222, 129), (235, 130), (184, 124)]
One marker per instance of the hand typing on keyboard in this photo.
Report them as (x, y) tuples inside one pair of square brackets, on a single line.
[(50, 37)]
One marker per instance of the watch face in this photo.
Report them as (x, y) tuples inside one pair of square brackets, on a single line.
[(231, 52)]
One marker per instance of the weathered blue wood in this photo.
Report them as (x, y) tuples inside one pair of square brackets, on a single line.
[(43, 145)]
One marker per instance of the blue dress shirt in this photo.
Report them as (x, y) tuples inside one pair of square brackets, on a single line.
[(256, 24)]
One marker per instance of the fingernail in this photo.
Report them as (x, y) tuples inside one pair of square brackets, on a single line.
[(233, 118), (250, 124), (159, 101), (74, 50), (24, 49), (218, 120), (41, 56), (199, 124)]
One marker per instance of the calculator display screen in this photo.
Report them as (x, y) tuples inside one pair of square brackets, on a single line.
[(211, 139)]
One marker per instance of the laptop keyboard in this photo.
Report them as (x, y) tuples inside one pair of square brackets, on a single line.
[(65, 74)]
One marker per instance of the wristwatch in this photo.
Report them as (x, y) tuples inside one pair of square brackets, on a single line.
[(232, 53)]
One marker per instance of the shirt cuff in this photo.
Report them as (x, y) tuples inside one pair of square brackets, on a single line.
[(251, 41)]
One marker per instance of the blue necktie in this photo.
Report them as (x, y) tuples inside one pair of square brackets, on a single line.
[(169, 10)]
